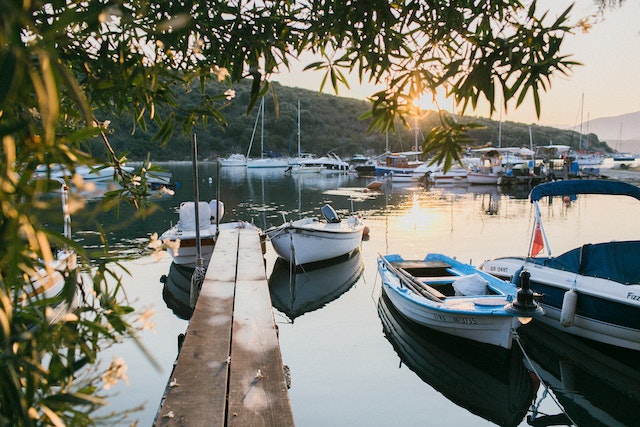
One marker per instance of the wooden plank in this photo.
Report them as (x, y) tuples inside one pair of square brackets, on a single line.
[(258, 393), (202, 368)]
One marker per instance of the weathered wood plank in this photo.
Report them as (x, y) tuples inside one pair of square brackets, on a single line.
[(201, 371), (258, 393)]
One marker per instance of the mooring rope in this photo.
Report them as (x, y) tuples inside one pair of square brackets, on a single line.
[(516, 337)]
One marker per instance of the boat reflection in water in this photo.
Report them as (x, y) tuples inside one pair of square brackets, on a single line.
[(487, 380), (597, 384), (295, 291), (175, 292)]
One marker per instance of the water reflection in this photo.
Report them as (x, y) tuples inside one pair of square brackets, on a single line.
[(489, 381), (176, 288), (598, 385), (296, 291)]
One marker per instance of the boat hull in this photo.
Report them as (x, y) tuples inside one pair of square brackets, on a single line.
[(611, 317), (311, 240), (481, 178), (182, 244), (481, 318)]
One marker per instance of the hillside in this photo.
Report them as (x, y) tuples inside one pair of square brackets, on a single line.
[(621, 132), (327, 123)]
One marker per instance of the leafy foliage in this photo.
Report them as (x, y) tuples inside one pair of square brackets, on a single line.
[(67, 67)]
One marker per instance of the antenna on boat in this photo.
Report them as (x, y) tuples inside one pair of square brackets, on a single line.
[(198, 274)]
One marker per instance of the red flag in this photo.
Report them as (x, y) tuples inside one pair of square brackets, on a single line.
[(538, 241)]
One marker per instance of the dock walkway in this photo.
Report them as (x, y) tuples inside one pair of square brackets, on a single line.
[(229, 371)]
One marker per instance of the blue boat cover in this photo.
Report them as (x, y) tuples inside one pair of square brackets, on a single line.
[(617, 261), (584, 186)]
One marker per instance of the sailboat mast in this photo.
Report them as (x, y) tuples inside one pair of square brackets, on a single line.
[(262, 129), (581, 118), (500, 129), (299, 153)]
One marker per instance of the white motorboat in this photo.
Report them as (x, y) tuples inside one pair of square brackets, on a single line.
[(455, 298), (592, 291), (180, 239), (312, 239), (234, 160), (330, 163)]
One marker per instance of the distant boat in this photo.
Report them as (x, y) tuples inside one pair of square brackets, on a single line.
[(592, 291), (312, 239), (272, 160), (451, 297), (97, 173), (330, 162), (304, 169), (399, 165), (490, 168), (234, 160)]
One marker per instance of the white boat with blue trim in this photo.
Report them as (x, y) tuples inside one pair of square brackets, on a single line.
[(452, 297), (592, 291)]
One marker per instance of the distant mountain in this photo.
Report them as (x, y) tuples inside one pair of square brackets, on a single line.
[(620, 132)]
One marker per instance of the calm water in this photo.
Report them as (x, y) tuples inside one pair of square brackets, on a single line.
[(353, 360)]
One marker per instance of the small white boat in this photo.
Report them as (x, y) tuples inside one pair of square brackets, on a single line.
[(180, 239), (234, 160), (312, 239), (592, 291), (490, 168), (455, 298)]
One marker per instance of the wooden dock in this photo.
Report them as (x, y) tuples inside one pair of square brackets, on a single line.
[(229, 371)]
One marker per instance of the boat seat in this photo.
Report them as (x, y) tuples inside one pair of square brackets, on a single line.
[(437, 279)]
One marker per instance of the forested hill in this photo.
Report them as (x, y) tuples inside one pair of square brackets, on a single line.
[(327, 123)]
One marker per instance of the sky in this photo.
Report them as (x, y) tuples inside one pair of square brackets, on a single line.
[(608, 81)]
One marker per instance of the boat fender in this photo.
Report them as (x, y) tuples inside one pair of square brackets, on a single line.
[(219, 211), (569, 302)]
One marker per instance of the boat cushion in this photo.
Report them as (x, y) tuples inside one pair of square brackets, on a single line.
[(188, 215), (472, 284), (618, 261)]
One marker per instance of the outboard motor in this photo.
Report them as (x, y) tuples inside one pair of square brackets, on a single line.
[(217, 208), (330, 214)]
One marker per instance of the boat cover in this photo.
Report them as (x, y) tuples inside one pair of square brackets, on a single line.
[(617, 261), (584, 186)]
